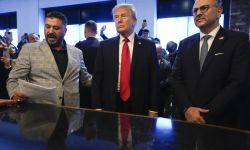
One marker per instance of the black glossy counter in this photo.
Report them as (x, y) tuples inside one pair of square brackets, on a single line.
[(39, 127)]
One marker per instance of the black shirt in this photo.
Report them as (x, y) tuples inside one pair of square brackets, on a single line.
[(61, 59)]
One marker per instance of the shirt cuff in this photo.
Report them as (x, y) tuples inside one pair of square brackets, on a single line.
[(153, 111)]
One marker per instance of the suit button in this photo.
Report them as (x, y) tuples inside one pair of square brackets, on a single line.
[(60, 97)]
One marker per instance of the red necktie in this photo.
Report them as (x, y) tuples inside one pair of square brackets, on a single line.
[(124, 127), (125, 72)]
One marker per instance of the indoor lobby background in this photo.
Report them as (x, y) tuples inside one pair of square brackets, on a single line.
[(168, 20)]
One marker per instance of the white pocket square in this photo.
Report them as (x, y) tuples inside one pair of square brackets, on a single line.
[(218, 54)]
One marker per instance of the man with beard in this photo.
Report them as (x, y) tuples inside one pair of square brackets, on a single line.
[(211, 70), (51, 63)]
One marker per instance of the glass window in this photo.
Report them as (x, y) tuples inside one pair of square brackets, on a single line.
[(177, 28), (73, 34), (171, 29)]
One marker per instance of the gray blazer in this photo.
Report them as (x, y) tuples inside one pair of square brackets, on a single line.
[(37, 65)]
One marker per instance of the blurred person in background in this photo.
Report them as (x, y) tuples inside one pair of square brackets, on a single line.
[(33, 37), (103, 28), (164, 53), (24, 40), (89, 49), (5, 67), (164, 92), (8, 38), (172, 52)]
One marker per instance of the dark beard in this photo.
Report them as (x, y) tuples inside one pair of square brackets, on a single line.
[(59, 42), (52, 45)]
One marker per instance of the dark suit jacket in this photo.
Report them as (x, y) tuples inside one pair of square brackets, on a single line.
[(89, 49), (219, 85), (144, 78)]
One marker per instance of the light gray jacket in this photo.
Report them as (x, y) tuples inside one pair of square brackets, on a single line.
[(37, 65)]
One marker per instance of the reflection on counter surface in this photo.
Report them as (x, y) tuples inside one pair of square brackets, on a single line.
[(48, 127)]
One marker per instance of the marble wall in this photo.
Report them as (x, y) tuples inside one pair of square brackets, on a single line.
[(240, 15)]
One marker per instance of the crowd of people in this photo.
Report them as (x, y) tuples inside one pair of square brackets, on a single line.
[(8, 53), (204, 80)]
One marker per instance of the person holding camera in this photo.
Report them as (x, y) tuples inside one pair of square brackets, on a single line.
[(103, 28), (143, 26), (145, 32)]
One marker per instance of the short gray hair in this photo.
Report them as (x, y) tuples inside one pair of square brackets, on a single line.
[(130, 7)]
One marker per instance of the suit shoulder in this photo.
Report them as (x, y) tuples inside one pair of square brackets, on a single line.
[(32, 46), (144, 40), (192, 37), (78, 44), (236, 34), (109, 41), (36, 44)]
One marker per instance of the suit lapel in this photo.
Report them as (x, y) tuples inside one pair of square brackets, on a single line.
[(215, 48), (115, 53), (192, 54), (137, 45), (50, 60), (195, 53), (70, 62)]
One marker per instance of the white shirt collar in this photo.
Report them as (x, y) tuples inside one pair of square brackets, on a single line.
[(212, 33), (131, 37)]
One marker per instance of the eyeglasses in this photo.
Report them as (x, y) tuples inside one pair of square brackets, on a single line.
[(202, 9)]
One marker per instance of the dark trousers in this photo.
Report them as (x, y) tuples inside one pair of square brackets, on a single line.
[(123, 106), (85, 96)]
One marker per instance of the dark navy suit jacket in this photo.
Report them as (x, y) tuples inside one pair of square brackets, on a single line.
[(144, 77), (219, 85), (89, 49)]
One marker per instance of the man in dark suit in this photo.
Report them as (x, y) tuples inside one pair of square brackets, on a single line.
[(89, 49), (138, 93), (90, 45), (208, 88)]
